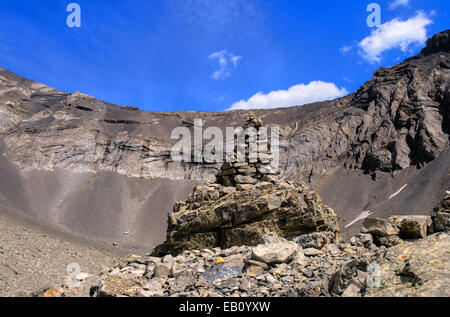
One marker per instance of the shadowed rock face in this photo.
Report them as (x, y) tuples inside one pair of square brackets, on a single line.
[(357, 150)]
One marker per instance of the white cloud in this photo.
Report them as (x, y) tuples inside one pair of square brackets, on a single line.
[(235, 60), (295, 96), (224, 59), (395, 34), (345, 49), (398, 3)]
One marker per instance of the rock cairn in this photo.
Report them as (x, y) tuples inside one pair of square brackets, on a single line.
[(246, 201), (254, 168)]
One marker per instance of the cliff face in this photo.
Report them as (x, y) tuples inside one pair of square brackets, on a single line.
[(357, 150)]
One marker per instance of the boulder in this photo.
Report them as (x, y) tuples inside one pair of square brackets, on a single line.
[(353, 273), (240, 179), (312, 240), (254, 268), (275, 251), (379, 227), (362, 239), (442, 221), (227, 190), (412, 227), (163, 270), (352, 291), (243, 217), (312, 252), (333, 249)]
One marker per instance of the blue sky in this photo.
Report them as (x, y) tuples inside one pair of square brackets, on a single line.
[(207, 55)]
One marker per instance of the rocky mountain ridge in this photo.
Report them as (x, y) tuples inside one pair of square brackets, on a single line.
[(397, 119), (357, 151)]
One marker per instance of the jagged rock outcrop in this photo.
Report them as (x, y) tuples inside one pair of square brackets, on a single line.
[(243, 217), (247, 202), (440, 43), (412, 263)]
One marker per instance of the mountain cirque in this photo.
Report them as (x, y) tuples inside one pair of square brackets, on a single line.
[(356, 151), (73, 163)]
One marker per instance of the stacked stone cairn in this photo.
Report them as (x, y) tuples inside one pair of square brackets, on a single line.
[(254, 167), (247, 201)]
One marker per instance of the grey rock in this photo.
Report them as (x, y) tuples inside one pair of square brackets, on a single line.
[(246, 285), (274, 252), (312, 240), (254, 268), (352, 291), (228, 190), (163, 270), (412, 227), (245, 180), (270, 279), (380, 227), (365, 239), (333, 249), (389, 241), (312, 252), (182, 283), (219, 272), (349, 274), (299, 257)]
